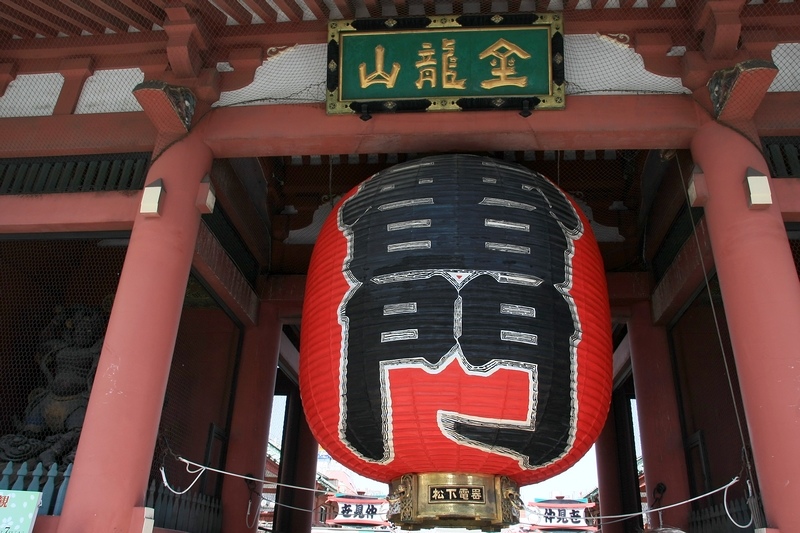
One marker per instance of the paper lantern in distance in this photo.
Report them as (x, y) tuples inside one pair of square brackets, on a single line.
[(456, 337)]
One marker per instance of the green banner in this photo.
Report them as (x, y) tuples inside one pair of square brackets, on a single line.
[(446, 65)]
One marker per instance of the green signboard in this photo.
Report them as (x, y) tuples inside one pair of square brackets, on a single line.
[(18, 510), (516, 62)]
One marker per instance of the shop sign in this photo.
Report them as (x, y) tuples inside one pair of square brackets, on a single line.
[(560, 516), (18, 510), (446, 63), (359, 511)]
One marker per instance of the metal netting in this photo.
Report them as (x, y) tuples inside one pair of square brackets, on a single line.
[(197, 407), (85, 59), (709, 395), (606, 184), (55, 299)]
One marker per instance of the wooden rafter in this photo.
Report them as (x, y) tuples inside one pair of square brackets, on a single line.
[(210, 15), (71, 16), (291, 9), (101, 17), (44, 16), (262, 10), (100, 28), (12, 29), (123, 13), (12, 15), (344, 8), (146, 8), (318, 9), (235, 10)]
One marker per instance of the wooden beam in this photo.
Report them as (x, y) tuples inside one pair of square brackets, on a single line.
[(76, 134), (688, 271), (589, 122), (75, 71), (285, 289), (8, 71), (787, 193), (238, 206), (627, 288), (212, 263), (638, 122), (73, 212)]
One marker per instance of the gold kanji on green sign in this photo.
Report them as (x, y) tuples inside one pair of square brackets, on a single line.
[(446, 64)]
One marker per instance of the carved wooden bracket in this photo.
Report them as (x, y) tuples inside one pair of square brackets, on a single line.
[(8, 71), (75, 71), (721, 26), (186, 41), (737, 92), (168, 107)]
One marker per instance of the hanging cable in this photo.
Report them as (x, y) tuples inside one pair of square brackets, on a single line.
[(727, 512), (631, 515), (199, 473), (247, 518), (196, 468), (257, 480)]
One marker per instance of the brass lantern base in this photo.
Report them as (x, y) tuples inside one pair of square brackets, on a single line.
[(444, 499)]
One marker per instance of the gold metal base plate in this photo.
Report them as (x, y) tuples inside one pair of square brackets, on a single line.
[(444, 499)]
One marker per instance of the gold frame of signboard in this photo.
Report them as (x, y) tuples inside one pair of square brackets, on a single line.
[(462, 62)]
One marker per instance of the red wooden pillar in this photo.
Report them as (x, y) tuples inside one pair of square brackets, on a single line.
[(247, 444), (305, 476), (663, 455), (112, 466), (296, 507), (761, 295), (608, 480)]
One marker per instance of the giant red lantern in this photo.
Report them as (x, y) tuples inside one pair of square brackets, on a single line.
[(456, 323)]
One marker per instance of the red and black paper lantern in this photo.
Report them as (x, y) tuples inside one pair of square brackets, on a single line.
[(456, 319)]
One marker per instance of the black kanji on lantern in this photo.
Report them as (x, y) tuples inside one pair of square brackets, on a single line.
[(460, 256)]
